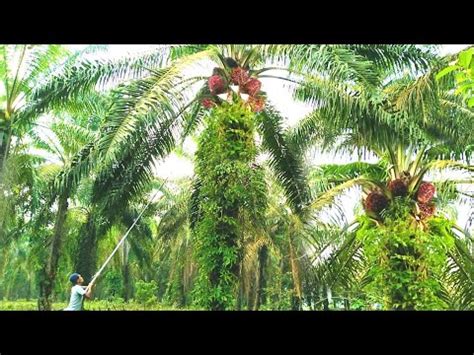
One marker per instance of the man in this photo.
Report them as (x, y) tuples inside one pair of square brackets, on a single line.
[(78, 292)]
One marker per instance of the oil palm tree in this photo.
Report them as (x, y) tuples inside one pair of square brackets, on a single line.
[(23, 70), (414, 126), (63, 141), (18, 206)]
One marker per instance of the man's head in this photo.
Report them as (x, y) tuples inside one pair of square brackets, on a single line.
[(76, 279)]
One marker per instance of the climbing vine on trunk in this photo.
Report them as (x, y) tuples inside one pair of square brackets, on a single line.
[(232, 190), (407, 258)]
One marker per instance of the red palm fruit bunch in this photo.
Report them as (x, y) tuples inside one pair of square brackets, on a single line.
[(208, 102), (252, 87), (426, 209), (426, 192), (375, 202), (239, 76), (398, 187), (257, 104), (217, 84)]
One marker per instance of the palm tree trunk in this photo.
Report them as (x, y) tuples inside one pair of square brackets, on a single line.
[(85, 263), (49, 272), (28, 290), (127, 282), (261, 280), (11, 284), (126, 274), (295, 272), (325, 299), (188, 276), (5, 141), (240, 293), (347, 304), (226, 154), (399, 296)]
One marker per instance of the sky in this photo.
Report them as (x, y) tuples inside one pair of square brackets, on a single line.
[(175, 166)]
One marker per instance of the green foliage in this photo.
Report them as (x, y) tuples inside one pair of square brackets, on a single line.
[(359, 304), (406, 260), (146, 292), (286, 158), (280, 293), (90, 305), (175, 294), (231, 191), (112, 285), (463, 70)]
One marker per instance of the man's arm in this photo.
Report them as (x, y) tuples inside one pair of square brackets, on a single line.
[(88, 293)]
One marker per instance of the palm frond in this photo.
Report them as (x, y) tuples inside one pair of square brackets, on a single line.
[(48, 172), (78, 78), (448, 164), (337, 62), (119, 180), (339, 109), (459, 274), (42, 61), (179, 51), (397, 57), (156, 96), (345, 266), (72, 137), (337, 173), (174, 218), (284, 160), (78, 168), (327, 198)]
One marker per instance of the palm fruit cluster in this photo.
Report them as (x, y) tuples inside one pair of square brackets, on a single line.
[(377, 200), (220, 81), (424, 198)]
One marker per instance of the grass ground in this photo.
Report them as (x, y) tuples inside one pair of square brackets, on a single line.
[(93, 305)]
